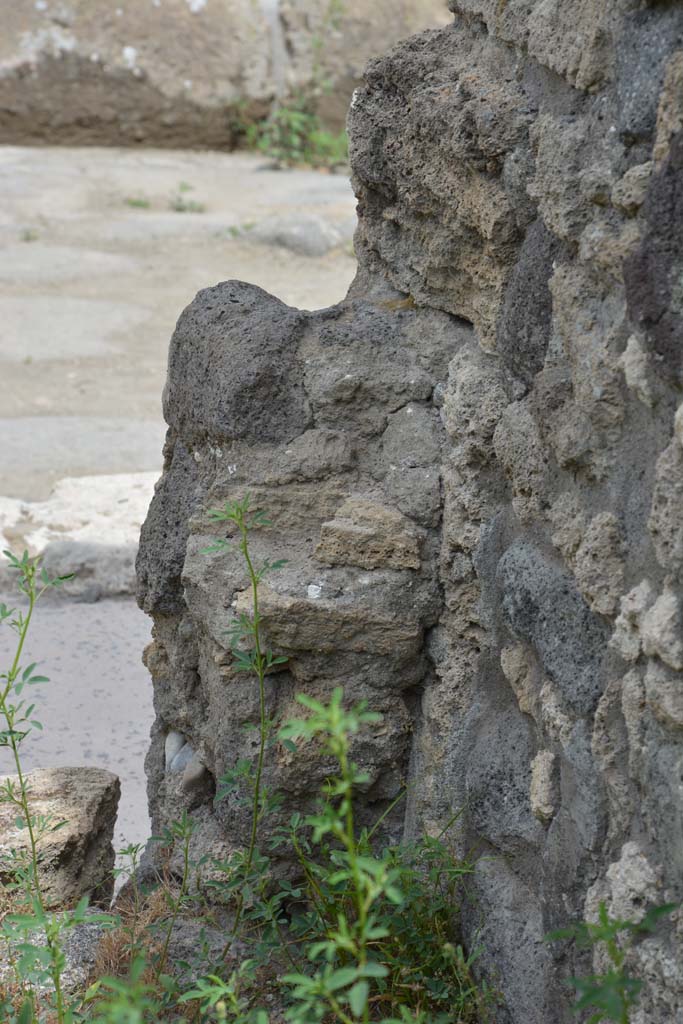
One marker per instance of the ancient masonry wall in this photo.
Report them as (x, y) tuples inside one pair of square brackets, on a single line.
[(475, 465)]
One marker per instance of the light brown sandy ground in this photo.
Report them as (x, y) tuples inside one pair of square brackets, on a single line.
[(90, 289)]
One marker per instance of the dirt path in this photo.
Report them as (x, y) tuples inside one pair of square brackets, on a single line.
[(91, 287), (100, 250)]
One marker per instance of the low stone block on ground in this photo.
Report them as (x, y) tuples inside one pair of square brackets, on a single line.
[(76, 859)]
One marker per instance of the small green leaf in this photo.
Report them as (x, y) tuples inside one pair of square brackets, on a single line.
[(358, 997), (374, 970), (341, 977), (26, 1012), (651, 919), (57, 582)]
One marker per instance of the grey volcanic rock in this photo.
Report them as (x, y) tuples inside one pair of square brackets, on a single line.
[(237, 331), (266, 399), (477, 481), (543, 606), (651, 270)]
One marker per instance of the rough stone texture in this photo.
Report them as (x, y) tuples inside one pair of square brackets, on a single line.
[(77, 859), (183, 72), (519, 177), (370, 536), (357, 518)]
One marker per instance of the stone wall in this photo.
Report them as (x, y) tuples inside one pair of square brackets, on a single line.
[(475, 465), (183, 72)]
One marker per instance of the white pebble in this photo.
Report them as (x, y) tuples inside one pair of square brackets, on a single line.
[(130, 56), (175, 741)]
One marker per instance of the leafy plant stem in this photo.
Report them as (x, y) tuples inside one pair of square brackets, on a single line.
[(176, 906), (315, 892), (352, 847), (260, 669), (261, 672), (23, 626)]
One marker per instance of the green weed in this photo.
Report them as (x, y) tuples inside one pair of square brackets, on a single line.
[(369, 933), (137, 202), (180, 203), (32, 935), (615, 993), (359, 931), (237, 231), (293, 136)]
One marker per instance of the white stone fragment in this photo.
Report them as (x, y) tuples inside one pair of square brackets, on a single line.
[(633, 882), (626, 639), (635, 365), (175, 741), (662, 629), (130, 56), (543, 789), (185, 756), (517, 670), (108, 509), (678, 425)]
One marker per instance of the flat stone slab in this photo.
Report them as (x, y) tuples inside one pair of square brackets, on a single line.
[(89, 526), (32, 262), (76, 859), (37, 451), (52, 327)]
